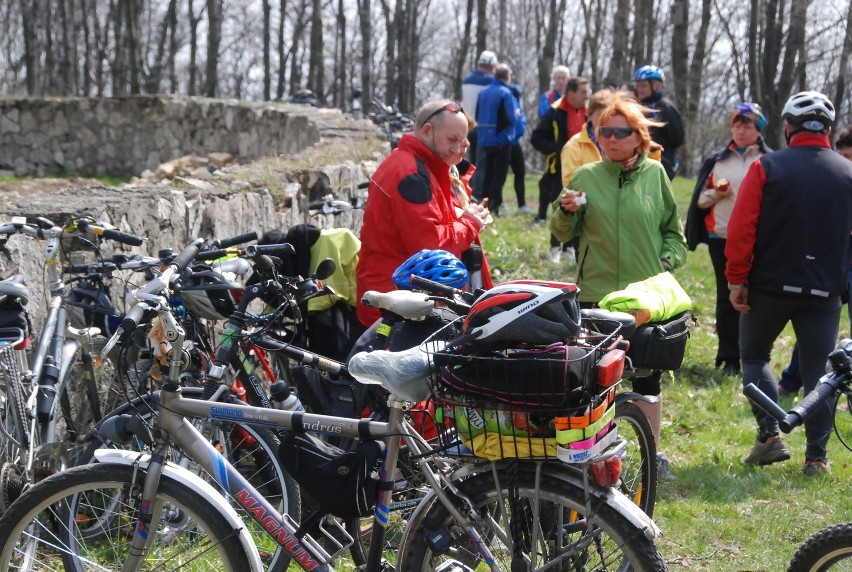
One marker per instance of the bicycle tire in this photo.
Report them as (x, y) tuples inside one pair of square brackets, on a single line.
[(42, 525), (260, 465), (605, 541), (14, 432), (639, 461), (825, 550), (107, 383)]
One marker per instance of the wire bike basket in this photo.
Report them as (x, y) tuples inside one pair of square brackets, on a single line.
[(553, 402)]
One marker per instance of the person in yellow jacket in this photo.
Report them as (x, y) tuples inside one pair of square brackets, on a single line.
[(583, 147)]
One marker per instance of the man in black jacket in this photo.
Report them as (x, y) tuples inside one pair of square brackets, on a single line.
[(649, 89)]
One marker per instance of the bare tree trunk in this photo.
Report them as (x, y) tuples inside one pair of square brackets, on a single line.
[(680, 49), (316, 67), (119, 60), (366, 23), (49, 51), (155, 76), (29, 12), (296, 48), (267, 40), (87, 49), (173, 47), (130, 19), (840, 92), (214, 36), (696, 67), (792, 67), (67, 63), (282, 58), (620, 34), (194, 21), (464, 48), (341, 82), (482, 26), (754, 75), (548, 50)]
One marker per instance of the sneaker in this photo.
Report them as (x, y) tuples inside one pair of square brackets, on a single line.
[(570, 253), (525, 210), (664, 470), (816, 468), (772, 451), (555, 255)]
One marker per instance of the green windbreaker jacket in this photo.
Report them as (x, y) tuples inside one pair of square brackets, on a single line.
[(627, 227)]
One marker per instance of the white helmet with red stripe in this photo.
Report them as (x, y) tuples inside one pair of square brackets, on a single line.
[(527, 312)]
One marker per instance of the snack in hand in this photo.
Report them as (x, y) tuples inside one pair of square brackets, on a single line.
[(723, 185)]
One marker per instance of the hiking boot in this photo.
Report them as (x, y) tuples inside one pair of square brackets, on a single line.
[(555, 255), (816, 468), (772, 451), (664, 470), (525, 210)]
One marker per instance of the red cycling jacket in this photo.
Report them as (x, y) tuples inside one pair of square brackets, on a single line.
[(410, 207)]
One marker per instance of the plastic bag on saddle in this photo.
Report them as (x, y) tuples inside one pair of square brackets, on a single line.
[(406, 374), (655, 299)]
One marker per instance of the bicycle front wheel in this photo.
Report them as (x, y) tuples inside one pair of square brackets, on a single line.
[(48, 528), (828, 549), (547, 526)]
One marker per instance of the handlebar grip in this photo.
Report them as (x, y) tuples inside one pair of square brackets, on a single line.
[(122, 237), (270, 249), (76, 269), (235, 240), (434, 287), (212, 254), (186, 256), (131, 320), (824, 390), (764, 402)]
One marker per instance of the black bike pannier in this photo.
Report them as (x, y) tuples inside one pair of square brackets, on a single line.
[(14, 315), (661, 345), (342, 483)]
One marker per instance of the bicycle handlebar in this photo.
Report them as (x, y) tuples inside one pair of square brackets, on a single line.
[(829, 384), (235, 240)]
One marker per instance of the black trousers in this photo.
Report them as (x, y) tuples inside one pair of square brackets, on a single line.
[(496, 166), (727, 319)]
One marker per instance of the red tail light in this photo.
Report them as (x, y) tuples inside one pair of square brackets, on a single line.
[(610, 368), (607, 472)]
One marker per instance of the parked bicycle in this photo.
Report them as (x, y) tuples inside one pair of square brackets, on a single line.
[(39, 423), (560, 514), (831, 547)]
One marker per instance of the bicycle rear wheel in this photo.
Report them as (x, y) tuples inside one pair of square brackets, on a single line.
[(42, 530), (550, 528), (639, 461), (828, 549)]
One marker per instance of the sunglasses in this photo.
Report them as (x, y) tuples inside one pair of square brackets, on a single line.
[(451, 107), (605, 132)]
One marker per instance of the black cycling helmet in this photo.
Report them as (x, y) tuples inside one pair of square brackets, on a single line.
[(435, 265), (208, 294), (523, 312)]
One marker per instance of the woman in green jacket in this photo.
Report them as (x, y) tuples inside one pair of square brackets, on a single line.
[(624, 212)]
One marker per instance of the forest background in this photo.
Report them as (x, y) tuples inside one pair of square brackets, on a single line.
[(715, 53)]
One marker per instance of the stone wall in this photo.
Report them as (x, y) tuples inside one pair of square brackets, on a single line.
[(271, 192), (127, 135)]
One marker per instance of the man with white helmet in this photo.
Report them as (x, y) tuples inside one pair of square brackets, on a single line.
[(788, 259)]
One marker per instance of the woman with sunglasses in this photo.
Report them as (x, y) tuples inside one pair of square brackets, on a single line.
[(624, 212), (710, 210)]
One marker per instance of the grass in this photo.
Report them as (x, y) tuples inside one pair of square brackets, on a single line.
[(719, 515)]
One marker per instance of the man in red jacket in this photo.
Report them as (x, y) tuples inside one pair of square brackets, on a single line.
[(411, 204), (788, 261)]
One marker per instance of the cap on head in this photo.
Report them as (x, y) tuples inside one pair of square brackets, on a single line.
[(649, 73), (809, 110), (487, 58), (753, 112)]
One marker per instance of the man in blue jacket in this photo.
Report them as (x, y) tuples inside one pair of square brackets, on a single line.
[(472, 84), (497, 111)]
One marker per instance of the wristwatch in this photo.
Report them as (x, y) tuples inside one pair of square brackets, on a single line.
[(736, 286)]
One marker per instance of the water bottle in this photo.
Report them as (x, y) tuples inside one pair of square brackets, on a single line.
[(284, 398)]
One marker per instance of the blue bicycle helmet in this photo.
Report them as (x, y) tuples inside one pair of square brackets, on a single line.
[(649, 73), (436, 265)]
